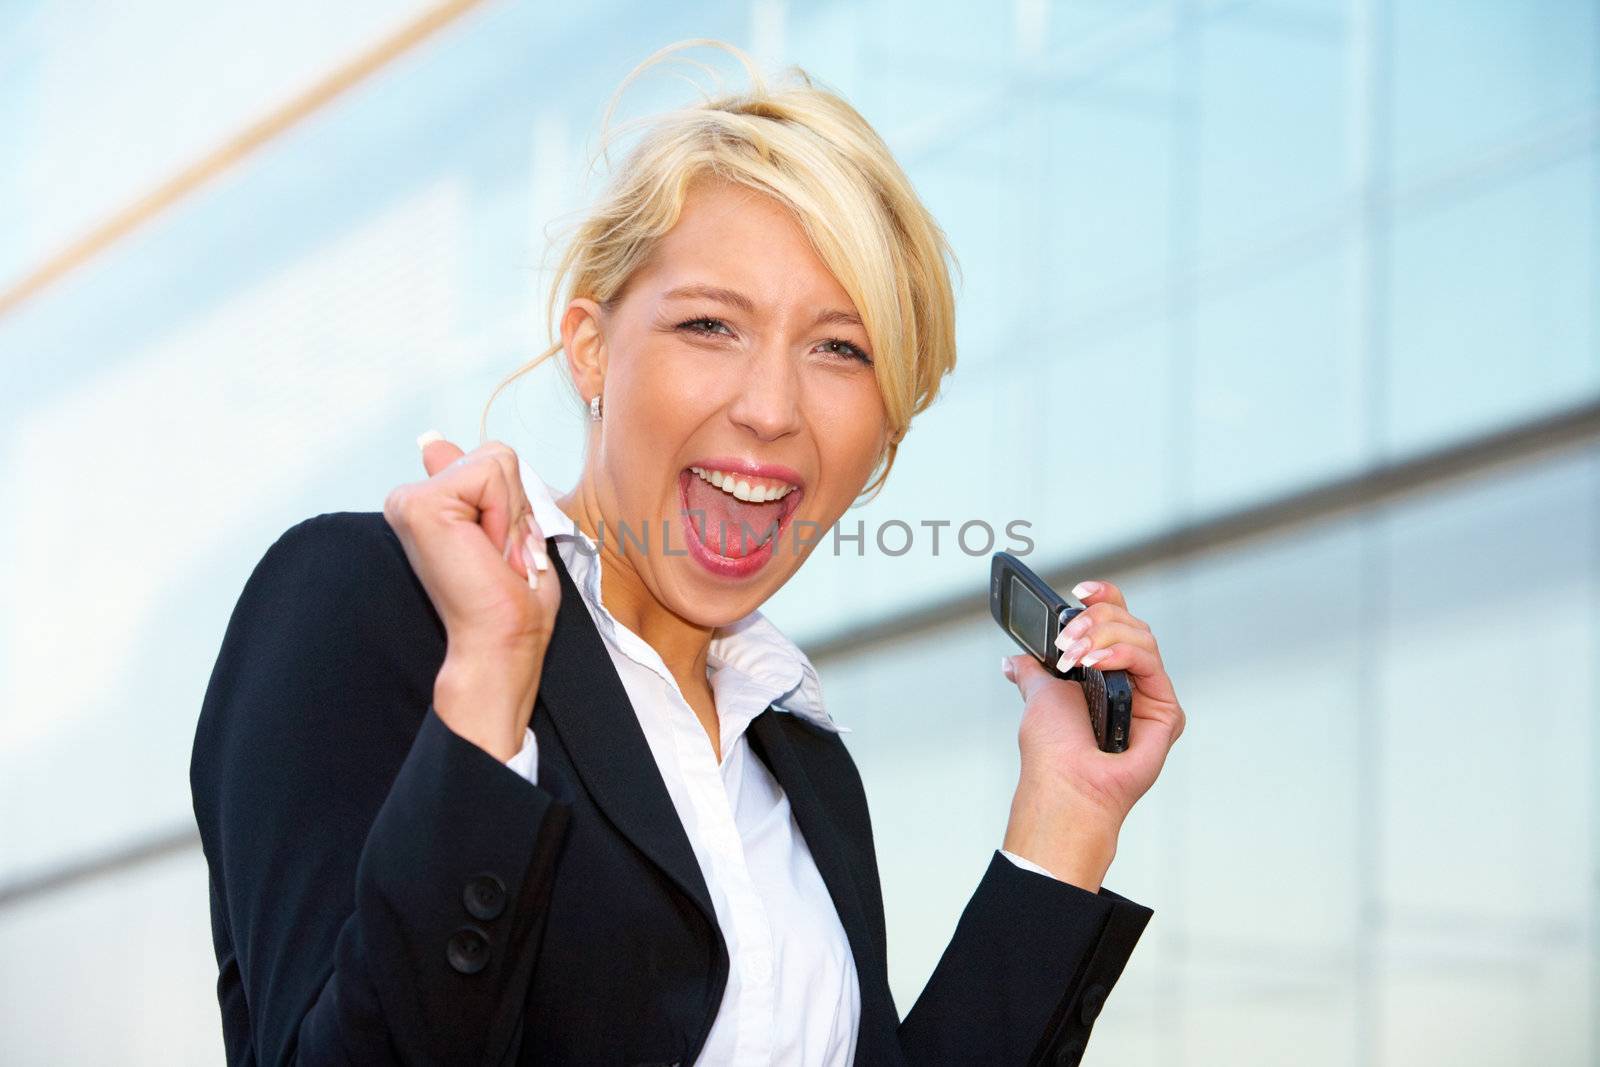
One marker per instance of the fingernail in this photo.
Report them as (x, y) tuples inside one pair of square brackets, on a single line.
[(428, 437), (511, 540), (1073, 630), (1083, 589), (541, 559), (1005, 669), (1096, 656), (527, 562), (1070, 656)]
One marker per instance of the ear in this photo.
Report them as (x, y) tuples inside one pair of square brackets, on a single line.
[(583, 338)]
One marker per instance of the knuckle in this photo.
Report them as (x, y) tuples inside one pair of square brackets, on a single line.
[(499, 451), (397, 505), (498, 485)]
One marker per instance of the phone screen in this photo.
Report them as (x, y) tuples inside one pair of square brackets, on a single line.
[(1026, 616)]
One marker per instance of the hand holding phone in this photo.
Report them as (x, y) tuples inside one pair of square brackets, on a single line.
[(1034, 614)]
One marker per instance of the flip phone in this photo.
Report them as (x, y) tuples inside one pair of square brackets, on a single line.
[(1034, 614)]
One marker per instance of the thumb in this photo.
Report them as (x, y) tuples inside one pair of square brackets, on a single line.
[(437, 453), (1026, 672)]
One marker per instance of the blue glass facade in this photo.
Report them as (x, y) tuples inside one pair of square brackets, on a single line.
[(1213, 255)]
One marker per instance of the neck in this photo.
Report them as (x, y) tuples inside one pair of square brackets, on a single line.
[(682, 645)]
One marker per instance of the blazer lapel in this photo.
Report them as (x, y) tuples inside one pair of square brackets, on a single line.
[(590, 710), (771, 742)]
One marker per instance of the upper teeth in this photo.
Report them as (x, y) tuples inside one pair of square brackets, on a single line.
[(741, 487)]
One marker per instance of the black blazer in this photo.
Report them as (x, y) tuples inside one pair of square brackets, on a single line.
[(385, 891)]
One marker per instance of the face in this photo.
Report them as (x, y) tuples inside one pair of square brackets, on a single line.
[(742, 415)]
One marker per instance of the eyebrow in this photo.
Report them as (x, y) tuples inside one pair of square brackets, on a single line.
[(734, 298)]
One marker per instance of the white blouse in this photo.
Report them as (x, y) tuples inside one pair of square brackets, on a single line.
[(792, 996)]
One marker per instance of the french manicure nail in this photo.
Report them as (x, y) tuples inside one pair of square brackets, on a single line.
[(1073, 630), (527, 562), (511, 540), (1070, 656), (1096, 656), (534, 550), (1083, 589), (1005, 669), (541, 558), (428, 437)]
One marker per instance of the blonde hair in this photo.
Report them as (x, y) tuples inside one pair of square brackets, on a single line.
[(805, 146)]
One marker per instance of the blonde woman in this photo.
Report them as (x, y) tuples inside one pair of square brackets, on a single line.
[(501, 776)]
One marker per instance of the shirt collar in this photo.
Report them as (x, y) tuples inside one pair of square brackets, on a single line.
[(752, 647)]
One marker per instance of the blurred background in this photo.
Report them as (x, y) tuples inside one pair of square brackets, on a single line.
[(1283, 314)]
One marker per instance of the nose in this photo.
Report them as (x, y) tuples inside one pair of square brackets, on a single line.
[(768, 399)]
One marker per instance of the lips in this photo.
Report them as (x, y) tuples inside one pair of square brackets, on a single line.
[(736, 512)]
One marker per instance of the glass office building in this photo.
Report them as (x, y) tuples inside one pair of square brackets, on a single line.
[(1283, 314)]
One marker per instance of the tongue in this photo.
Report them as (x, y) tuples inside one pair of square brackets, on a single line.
[(727, 525)]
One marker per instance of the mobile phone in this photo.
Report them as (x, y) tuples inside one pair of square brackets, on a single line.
[(1034, 614)]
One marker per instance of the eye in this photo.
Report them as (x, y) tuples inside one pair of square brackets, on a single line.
[(850, 351), (702, 325), (707, 326)]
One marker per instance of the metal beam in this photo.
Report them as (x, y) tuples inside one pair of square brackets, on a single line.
[(1362, 491), (1557, 433), (242, 145)]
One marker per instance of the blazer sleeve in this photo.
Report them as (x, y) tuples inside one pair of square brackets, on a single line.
[(1025, 974), (378, 882)]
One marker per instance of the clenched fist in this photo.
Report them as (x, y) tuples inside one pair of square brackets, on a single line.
[(469, 534)]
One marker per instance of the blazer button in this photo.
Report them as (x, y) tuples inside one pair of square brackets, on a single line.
[(468, 950), (485, 897), (1094, 998), (1070, 1054)]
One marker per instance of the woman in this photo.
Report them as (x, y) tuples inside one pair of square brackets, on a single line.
[(465, 800)]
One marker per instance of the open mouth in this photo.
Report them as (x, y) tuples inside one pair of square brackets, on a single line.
[(735, 513)]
